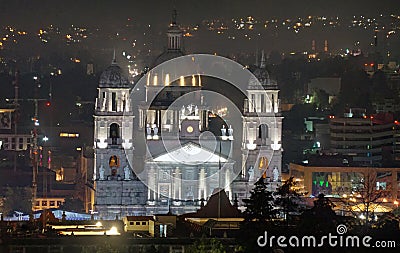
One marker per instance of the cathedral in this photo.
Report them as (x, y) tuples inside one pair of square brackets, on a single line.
[(167, 149)]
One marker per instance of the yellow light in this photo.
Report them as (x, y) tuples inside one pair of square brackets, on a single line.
[(385, 200), (98, 224), (148, 79), (396, 202), (193, 81), (155, 80), (182, 81), (167, 80), (113, 231), (344, 195)]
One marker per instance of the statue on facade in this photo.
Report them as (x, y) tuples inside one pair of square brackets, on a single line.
[(190, 109), (251, 173), (101, 172), (196, 111), (230, 132), (155, 132), (148, 131), (223, 130), (182, 111), (275, 174), (127, 173)]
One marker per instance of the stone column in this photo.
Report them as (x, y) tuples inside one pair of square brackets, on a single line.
[(202, 184)]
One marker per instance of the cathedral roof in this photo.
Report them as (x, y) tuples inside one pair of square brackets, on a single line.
[(218, 206), (168, 55), (113, 77)]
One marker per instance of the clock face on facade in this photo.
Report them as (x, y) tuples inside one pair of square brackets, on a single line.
[(189, 129)]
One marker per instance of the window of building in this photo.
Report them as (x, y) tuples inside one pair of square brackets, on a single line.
[(131, 223), (114, 102), (44, 202), (253, 102), (114, 133), (165, 175), (263, 132), (52, 203), (113, 161), (262, 103), (137, 223), (144, 223)]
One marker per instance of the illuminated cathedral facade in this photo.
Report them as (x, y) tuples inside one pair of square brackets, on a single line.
[(180, 166)]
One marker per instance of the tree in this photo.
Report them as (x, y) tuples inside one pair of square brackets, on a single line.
[(321, 98), (204, 245), (365, 197), (260, 205), (354, 82), (320, 218), (288, 199), (72, 204), (17, 199)]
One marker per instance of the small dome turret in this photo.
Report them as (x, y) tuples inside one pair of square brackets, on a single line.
[(113, 76)]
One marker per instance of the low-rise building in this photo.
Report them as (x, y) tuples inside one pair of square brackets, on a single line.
[(137, 224), (343, 180)]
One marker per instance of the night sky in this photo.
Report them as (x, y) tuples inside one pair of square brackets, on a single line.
[(103, 12)]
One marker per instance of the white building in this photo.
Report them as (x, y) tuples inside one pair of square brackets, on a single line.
[(178, 164)]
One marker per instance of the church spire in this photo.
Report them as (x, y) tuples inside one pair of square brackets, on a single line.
[(174, 15), (174, 34), (114, 60), (262, 63)]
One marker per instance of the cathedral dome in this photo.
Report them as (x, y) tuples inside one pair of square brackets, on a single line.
[(167, 55), (261, 73), (113, 77)]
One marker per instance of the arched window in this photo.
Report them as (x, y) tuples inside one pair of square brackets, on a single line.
[(114, 133), (263, 132), (113, 161)]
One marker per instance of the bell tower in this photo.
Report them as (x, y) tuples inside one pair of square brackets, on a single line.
[(115, 181), (262, 129)]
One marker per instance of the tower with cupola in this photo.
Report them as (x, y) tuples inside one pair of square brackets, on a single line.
[(116, 184), (262, 129)]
